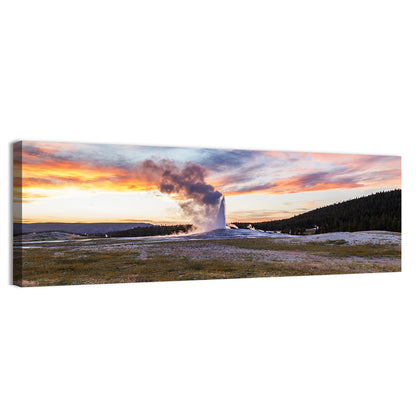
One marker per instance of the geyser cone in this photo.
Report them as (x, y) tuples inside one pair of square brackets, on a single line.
[(220, 222)]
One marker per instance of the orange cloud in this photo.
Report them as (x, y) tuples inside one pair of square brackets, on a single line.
[(40, 171), (45, 166)]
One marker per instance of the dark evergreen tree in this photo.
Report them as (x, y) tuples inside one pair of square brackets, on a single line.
[(152, 231), (379, 211)]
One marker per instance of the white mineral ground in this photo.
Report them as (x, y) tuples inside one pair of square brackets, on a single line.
[(209, 246), (359, 237)]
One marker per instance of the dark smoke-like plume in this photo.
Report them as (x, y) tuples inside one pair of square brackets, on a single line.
[(199, 200)]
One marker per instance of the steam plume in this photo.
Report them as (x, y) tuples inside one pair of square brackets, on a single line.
[(199, 200)]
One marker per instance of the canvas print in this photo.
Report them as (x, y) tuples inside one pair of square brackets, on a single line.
[(112, 213)]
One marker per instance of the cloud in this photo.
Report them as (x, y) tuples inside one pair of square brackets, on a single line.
[(219, 159), (47, 165)]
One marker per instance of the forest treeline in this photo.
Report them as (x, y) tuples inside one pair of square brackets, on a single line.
[(379, 211), (152, 231)]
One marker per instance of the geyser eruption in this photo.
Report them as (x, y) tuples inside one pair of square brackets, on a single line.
[(220, 222), (198, 199)]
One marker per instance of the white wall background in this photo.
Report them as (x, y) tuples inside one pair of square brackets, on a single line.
[(312, 76)]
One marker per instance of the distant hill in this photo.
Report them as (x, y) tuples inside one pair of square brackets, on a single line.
[(77, 228), (379, 211), (152, 231)]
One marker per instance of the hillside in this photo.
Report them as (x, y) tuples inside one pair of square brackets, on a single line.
[(379, 211), (76, 228)]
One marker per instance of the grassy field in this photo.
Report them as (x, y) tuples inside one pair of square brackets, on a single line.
[(117, 261)]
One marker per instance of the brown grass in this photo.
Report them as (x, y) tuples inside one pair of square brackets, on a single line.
[(105, 261), (330, 247)]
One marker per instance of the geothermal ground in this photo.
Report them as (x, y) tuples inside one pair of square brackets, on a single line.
[(44, 259)]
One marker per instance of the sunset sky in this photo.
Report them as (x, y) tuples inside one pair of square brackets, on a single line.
[(73, 182)]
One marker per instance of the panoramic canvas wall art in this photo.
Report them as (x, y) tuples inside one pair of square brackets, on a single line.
[(113, 213)]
